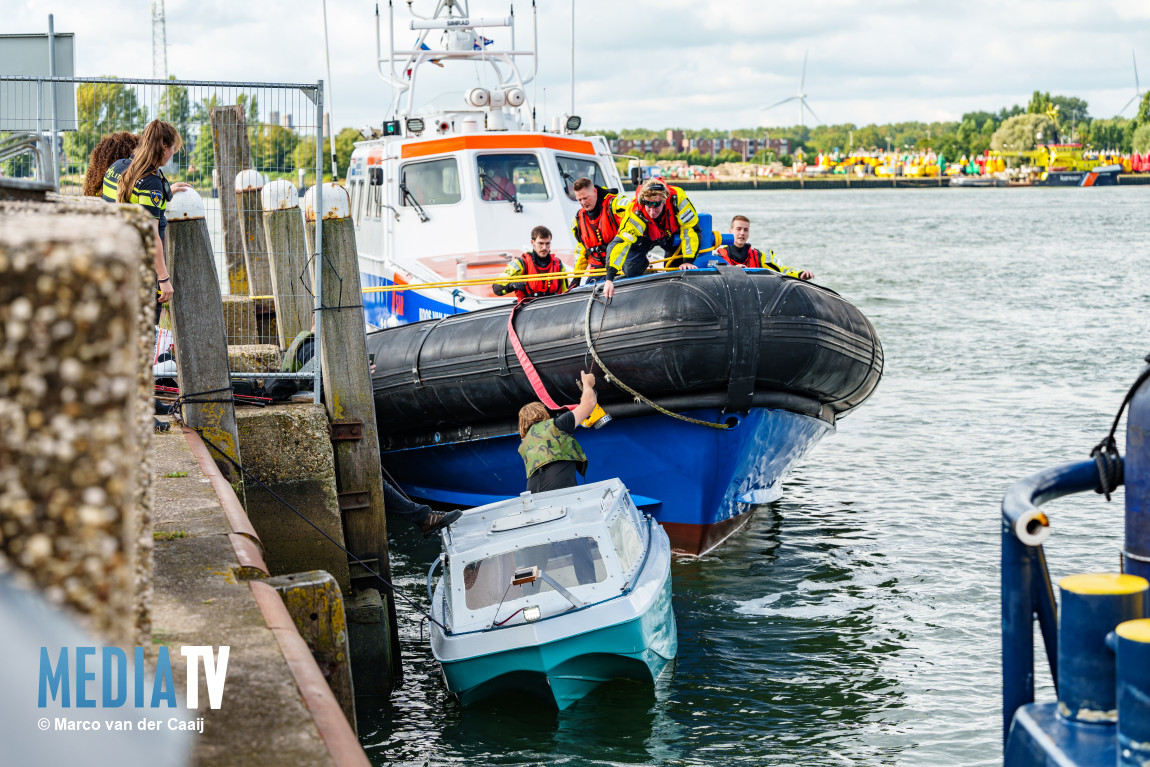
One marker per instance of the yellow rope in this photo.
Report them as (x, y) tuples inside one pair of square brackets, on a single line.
[(500, 278)]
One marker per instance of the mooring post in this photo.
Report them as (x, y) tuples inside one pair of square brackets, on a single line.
[(349, 400), (232, 154), (287, 251), (200, 340)]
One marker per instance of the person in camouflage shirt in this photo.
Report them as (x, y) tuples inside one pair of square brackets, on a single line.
[(550, 453)]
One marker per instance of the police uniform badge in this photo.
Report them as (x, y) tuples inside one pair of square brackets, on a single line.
[(157, 198)]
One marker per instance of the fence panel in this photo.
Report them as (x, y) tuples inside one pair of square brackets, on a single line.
[(227, 128)]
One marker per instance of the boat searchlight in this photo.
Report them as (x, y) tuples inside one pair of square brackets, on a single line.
[(573, 123)]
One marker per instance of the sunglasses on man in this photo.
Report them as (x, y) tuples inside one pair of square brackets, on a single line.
[(651, 203)]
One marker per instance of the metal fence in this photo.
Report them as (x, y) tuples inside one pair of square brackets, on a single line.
[(275, 129)]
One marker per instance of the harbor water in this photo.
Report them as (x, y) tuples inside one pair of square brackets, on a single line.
[(856, 620)]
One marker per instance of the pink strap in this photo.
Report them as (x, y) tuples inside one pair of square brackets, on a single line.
[(528, 368)]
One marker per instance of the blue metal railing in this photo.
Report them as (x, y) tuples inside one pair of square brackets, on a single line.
[(1026, 588)]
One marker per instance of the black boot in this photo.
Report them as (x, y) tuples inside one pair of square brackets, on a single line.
[(437, 520)]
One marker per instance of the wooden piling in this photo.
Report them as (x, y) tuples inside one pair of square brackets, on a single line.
[(249, 184), (348, 393), (232, 154), (288, 255), (198, 332)]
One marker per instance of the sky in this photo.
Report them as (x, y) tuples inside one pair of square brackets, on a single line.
[(656, 63)]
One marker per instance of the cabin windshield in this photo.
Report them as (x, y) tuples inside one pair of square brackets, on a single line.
[(435, 182), (574, 562), (571, 169), (503, 177)]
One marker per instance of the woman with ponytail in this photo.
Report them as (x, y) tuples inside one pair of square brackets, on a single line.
[(140, 180)]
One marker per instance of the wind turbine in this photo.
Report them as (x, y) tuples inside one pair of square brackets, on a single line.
[(799, 97), (1137, 88)]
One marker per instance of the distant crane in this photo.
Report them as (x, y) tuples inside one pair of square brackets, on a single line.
[(800, 96), (159, 42), (1137, 88)]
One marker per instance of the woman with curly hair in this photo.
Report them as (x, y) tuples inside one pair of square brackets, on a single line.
[(116, 146)]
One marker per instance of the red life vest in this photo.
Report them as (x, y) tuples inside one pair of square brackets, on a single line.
[(667, 223), (596, 233), (540, 287), (754, 257)]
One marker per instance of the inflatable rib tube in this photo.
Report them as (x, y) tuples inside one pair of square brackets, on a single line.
[(773, 360)]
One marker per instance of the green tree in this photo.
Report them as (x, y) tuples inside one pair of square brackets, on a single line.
[(1143, 116), (1114, 134), (1038, 103), (203, 157), (102, 108), (1022, 132), (1140, 142), (1071, 110)]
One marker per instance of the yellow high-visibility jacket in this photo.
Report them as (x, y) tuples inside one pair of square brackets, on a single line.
[(635, 225)]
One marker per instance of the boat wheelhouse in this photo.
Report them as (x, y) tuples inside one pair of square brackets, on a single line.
[(449, 191)]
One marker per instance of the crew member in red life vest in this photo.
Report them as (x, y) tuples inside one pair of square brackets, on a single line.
[(742, 254), (658, 212), (596, 224), (521, 275)]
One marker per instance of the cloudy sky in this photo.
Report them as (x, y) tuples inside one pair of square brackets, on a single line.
[(659, 63)]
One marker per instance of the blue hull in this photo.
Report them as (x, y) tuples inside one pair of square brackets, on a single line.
[(566, 670), (699, 483), (404, 305)]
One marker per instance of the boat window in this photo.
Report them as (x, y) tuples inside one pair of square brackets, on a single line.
[(571, 563), (506, 176), (435, 182), (571, 169), (625, 537)]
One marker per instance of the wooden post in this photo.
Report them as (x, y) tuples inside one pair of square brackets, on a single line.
[(233, 154), (348, 394), (249, 183), (287, 252), (198, 331)]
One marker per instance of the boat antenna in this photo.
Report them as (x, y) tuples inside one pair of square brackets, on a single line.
[(330, 119), (534, 80), (572, 58)]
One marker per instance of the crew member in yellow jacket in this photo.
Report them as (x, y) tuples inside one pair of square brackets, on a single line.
[(658, 212), (742, 254)]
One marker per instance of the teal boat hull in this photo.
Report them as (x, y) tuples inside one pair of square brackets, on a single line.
[(567, 669)]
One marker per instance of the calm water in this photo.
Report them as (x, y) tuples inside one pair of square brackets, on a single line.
[(856, 620)]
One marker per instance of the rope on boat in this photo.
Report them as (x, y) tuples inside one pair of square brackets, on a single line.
[(1105, 453), (613, 379)]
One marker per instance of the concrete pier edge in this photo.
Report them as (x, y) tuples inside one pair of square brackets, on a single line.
[(337, 734)]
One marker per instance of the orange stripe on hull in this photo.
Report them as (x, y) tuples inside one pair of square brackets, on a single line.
[(1089, 180), (457, 143)]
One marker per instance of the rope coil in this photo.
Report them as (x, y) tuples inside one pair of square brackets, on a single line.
[(615, 380)]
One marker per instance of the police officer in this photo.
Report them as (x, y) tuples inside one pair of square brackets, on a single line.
[(550, 453)]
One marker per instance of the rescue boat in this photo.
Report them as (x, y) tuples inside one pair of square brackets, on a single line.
[(760, 365), (448, 189)]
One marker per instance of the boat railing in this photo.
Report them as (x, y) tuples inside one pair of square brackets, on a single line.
[(1027, 592)]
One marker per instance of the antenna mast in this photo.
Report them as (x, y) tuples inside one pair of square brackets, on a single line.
[(159, 42)]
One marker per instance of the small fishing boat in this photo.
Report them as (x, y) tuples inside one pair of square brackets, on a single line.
[(551, 595), (748, 370)]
